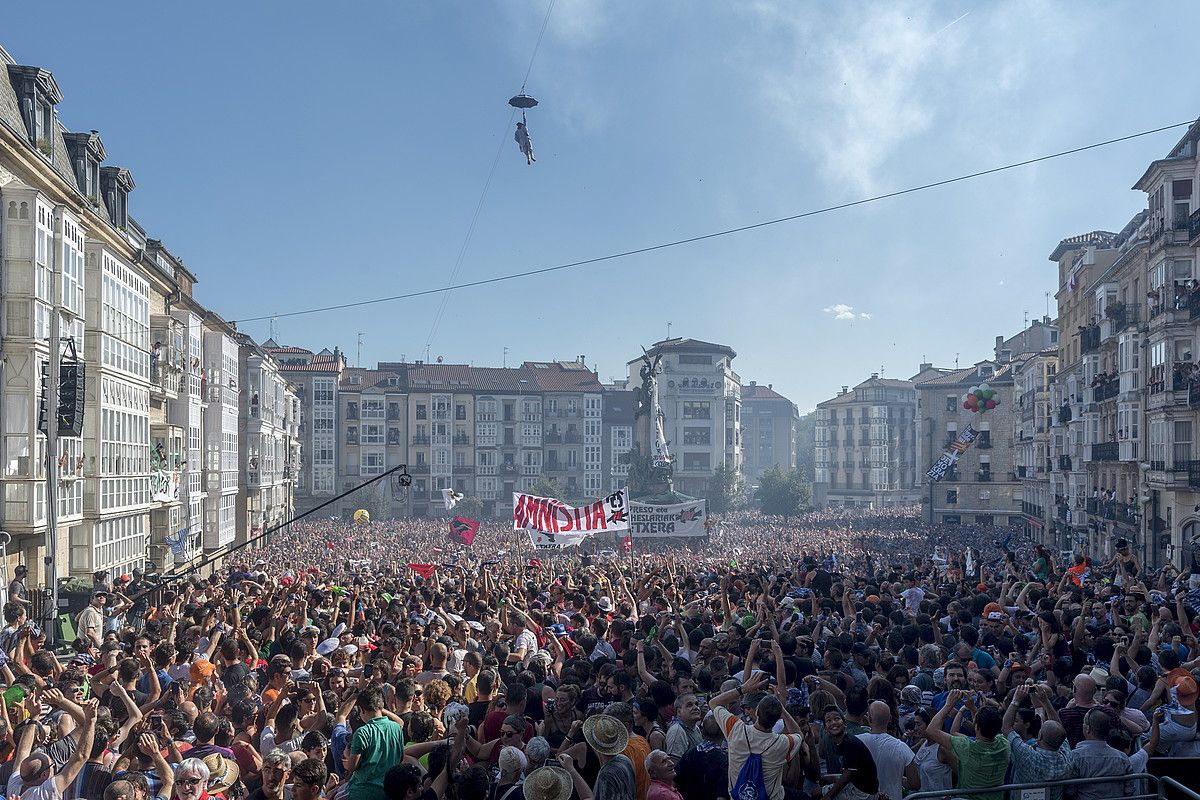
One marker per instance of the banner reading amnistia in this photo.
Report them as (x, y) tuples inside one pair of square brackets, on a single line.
[(649, 520), (549, 515)]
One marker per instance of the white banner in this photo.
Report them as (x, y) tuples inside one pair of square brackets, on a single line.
[(566, 523), (647, 521)]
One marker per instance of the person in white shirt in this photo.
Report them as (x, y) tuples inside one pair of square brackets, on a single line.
[(895, 762)]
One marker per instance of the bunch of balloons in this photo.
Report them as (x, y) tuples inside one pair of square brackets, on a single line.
[(980, 398)]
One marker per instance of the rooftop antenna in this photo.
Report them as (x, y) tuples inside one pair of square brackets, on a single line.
[(668, 329), (956, 360), (1047, 304), (1026, 325), (274, 319), (504, 359), (359, 362)]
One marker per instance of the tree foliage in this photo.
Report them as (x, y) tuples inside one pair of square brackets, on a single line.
[(782, 493), (806, 446), (549, 487), (470, 507), (725, 490), (375, 501)]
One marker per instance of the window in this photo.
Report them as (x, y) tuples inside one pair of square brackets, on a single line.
[(697, 436), (694, 462), (460, 411), (952, 497), (422, 411), (951, 402), (696, 360), (697, 409)]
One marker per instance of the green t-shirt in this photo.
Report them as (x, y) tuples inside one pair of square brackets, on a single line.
[(380, 743), (980, 764)]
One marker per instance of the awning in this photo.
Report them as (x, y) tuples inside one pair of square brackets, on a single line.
[(1037, 523)]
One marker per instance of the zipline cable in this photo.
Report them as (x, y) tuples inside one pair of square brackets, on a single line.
[(717, 234)]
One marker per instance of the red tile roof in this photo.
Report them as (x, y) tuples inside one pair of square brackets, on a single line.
[(555, 376), (754, 391)]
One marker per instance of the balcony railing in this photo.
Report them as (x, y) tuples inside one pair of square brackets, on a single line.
[(420, 438), (1064, 414), (1121, 315), (1194, 474), (1194, 394), (462, 438), (553, 437), (1106, 390), (1106, 451), (463, 469), (1193, 304), (419, 469), (1089, 339), (984, 475), (1064, 463), (572, 438)]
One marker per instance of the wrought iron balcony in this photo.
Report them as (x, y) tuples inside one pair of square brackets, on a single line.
[(1106, 451)]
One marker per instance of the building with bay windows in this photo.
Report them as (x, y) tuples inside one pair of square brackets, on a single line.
[(865, 446), (316, 377)]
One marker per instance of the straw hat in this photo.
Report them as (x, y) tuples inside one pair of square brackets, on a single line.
[(222, 773), (547, 783), (607, 735)]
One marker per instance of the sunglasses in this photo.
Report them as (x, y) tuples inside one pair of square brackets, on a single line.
[(189, 781), (505, 732)]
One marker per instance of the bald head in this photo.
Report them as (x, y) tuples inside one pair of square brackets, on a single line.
[(1084, 687), (1052, 735), (35, 768), (880, 716)]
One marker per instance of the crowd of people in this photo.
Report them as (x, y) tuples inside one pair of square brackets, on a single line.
[(840, 654)]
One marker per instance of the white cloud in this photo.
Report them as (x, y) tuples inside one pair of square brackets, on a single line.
[(852, 85), (844, 312)]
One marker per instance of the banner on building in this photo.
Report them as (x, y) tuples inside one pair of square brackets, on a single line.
[(648, 520), (950, 456), (463, 530), (164, 485), (549, 515)]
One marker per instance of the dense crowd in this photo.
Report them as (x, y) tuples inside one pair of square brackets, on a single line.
[(841, 655)]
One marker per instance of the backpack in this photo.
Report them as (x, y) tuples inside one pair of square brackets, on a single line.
[(751, 783)]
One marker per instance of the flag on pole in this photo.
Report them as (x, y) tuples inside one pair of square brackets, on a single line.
[(178, 542), (424, 570), (463, 530), (451, 498)]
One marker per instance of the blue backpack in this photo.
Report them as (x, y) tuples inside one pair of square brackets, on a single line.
[(751, 783)]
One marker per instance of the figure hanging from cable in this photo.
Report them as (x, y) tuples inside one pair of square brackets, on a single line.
[(524, 142)]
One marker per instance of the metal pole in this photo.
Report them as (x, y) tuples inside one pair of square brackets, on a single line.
[(50, 613)]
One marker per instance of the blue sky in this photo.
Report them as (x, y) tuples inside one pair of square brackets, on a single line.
[(295, 157)]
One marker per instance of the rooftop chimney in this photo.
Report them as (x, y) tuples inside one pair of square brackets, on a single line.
[(754, 383), (924, 366), (845, 390), (874, 375)]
